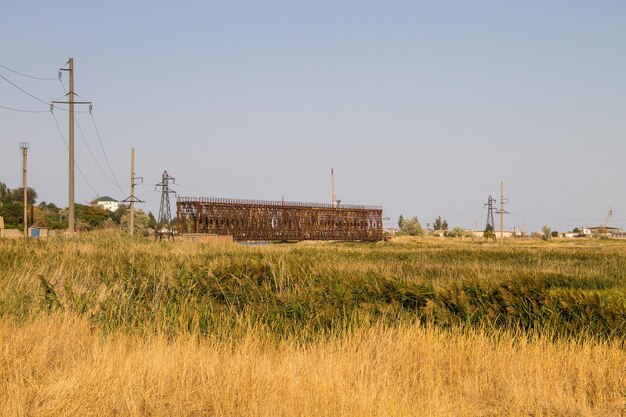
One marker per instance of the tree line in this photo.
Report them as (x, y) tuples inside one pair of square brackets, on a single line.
[(50, 216), (413, 227)]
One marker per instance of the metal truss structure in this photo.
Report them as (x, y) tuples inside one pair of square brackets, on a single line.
[(254, 220)]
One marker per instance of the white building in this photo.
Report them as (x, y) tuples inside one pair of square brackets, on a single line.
[(106, 203)]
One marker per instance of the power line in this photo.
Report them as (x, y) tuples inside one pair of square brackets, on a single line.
[(555, 217), (28, 76), (461, 214), (82, 134), (23, 111), (22, 90), (81, 97), (556, 208), (106, 158), (193, 189), (65, 95), (75, 163)]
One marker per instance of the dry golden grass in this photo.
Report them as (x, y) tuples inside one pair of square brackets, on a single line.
[(59, 365), (107, 325)]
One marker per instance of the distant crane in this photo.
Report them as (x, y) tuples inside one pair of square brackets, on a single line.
[(608, 218)]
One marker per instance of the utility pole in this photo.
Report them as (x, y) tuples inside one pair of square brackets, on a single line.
[(502, 212), (24, 147), (70, 67), (132, 199), (70, 95)]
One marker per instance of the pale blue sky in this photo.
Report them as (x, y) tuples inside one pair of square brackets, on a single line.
[(422, 107)]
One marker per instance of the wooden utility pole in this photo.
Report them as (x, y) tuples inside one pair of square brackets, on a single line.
[(71, 102), (24, 147), (132, 199), (70, 69)]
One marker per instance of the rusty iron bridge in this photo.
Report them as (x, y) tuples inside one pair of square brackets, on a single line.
[(257, 220)]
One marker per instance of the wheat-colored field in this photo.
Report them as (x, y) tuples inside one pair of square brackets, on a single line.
[(61, 366), (106, 325)]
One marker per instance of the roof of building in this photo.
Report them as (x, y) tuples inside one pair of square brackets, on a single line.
[(105, 199), (604, 227)]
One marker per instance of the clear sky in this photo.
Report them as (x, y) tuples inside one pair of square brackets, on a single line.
[(422, 107)]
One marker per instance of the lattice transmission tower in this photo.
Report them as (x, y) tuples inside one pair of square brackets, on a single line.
[(165, 213), (490, 207)]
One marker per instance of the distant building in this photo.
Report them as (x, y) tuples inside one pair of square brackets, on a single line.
[(496, 233), (106, 203), (602, 230)]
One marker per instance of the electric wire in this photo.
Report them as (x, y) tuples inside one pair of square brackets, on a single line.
[(556, 217), (461, 214), (82, 134), (556, 208), (75, 163), (23, 111), (65, 95), (142, 196), (115, 182), (81, 97), (106, 158), (28, 76), (23, 91), (192, 189)]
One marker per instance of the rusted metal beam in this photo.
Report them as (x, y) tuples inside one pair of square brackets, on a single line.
[(257, 220)]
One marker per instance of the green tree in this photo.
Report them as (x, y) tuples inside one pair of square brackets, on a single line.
[(457, 232), (91, 217), (13, 214), (5, 194), (17, 195), (117, 215), (440, 224), (412, 227), (400, 222), (48, 206), (141, 222), (152, 221), (48, 215), (547, 232), (489, 234)]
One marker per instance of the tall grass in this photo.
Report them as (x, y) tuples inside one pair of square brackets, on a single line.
[(108, 325), (59, 365), (306, 290)]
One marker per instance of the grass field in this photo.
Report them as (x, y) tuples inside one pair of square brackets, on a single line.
[(105, 325)]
